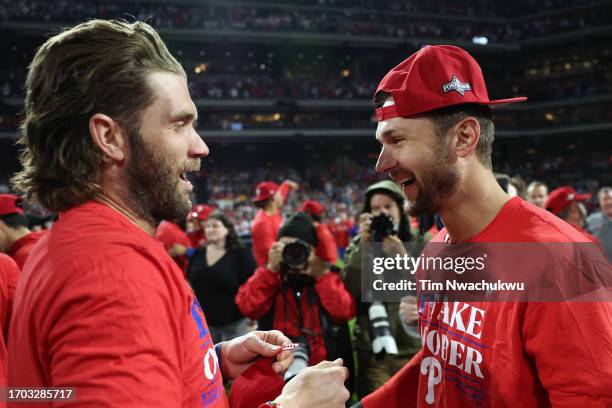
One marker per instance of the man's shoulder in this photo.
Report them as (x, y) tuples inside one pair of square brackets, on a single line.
[(534, 224)]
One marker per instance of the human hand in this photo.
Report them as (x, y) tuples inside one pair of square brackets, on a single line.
[(365, 221), (241, 352), (409, 310), (316, 267), (392, 245), (177, 250), (293, 184), (275, 256), (317, 386)]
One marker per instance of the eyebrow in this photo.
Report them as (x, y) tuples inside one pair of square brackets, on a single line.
[(183, 116)]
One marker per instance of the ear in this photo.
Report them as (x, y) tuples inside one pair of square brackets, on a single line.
[(109, 137), (467, 132)]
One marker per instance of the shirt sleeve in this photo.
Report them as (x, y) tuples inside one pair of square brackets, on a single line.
[(326, 247), (10, 271), (401, 390), (263, 238), (283, 190), (256, 296), (335, 298), (571, 346), (117, 339), (247, 264)]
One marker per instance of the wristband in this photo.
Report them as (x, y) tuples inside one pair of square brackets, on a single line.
[(190, 252)]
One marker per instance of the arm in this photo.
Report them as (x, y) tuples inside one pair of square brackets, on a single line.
[(247, 264), (263, 237), (335, 298), (580, 332), (256, 296), (285, 187), (326, 248), (401, 390), (118, 342), (351, 273)]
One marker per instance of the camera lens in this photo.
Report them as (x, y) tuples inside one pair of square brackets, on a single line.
[(296, 254), (382, 226)]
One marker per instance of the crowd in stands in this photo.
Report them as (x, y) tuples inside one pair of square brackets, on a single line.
[(394, 22)]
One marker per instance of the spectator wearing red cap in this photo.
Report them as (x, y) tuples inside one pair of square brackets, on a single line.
[(600, 223), (568, 205), (196, 220), (436, 135), (326, 246), (108, 137), (269, 198), (16, 239), (306, 301)]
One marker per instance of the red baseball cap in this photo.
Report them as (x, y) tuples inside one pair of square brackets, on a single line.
[(265, 190), (434, 77), (312, 207), (201, 212), (562, 197), (10, 204)]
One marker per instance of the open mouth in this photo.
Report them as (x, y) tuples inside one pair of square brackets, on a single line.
[(184, 176)]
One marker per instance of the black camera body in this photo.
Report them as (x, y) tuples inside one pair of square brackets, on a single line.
[(382, 226), (295, 255)]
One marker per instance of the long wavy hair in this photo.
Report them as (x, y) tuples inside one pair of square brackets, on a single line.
[(95, 67)]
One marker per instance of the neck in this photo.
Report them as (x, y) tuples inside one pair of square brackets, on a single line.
[(474, 205), (118, 205), (270, 208), (219, 244)]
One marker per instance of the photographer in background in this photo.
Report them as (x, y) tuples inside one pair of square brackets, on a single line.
[(383, 351), (297, 293)]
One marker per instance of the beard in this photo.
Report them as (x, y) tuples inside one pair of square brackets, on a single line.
[(154, 184), (438, 181)]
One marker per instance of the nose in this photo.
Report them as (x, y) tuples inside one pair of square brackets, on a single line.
[(198, 147), (385, 162)]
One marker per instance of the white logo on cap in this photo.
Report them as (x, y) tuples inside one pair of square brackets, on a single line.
[(456, 85)]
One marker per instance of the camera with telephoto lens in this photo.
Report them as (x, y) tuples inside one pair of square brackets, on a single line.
[(382, 226), (382, 341), (300, 358), (295, 255)]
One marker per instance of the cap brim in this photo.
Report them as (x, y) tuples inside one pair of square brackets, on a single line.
[(582, 197), (507, 101)]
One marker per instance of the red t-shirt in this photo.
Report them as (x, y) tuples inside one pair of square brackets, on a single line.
[(196, 238), (103, 308), (265, 228), (486, 354), (340, 231), (7, 268), (263, 234), (326, 247), (20, 250), (168, 233)]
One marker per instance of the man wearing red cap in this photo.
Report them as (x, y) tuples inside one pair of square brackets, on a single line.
[(436, 135), (326, 246), (8, 267), (108, 137), (269, 198), (568, 205), (16, 239), (198, 216)]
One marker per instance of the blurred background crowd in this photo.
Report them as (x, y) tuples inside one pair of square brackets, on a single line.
[(284, 93)]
